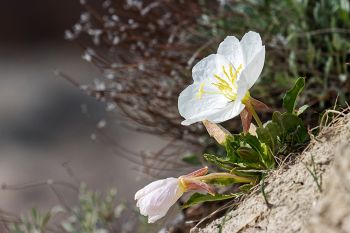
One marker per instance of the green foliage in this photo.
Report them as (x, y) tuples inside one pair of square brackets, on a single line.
[(198, 198), (285, 129), (34, 223), (251, 156), (289, 99), (248, 152), (313, 42), (96, 213), (221, 162)]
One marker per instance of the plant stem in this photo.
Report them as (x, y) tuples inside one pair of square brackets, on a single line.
[(254, 114), (224, 175)]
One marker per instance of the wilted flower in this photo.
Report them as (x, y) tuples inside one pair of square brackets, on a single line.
[(155, 199), (220, 90)]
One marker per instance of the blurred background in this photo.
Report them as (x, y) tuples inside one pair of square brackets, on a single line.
[(88, 89), (49, 129)]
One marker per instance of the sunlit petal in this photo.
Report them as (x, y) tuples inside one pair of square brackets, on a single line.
[(253, 70), (232, 50), (251, 44), (209, 66), (222, 81), (193, 104)]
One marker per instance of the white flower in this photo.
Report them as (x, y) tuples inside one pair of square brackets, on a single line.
[(222, 81), (155, 199)]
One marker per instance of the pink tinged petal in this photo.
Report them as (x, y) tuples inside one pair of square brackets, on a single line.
[(246, 118), (194, 107), (251, 44), (258, 105), (209, 66), (253, 70), (150, 187), (155, 203), (232, 50), (200, 172), (196, 185)]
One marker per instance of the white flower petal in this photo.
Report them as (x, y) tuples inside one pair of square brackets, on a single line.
[(251, 44), (253, 70), (205, 69), (150, 187), (201, 117), (155, 203), (191, 106), (232, 50), (230, 111), (214, 95), (243, 86)]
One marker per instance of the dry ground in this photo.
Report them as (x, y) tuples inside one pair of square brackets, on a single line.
[(297, 205)]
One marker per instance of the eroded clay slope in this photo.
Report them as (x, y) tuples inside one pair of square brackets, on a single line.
[(297, 203)]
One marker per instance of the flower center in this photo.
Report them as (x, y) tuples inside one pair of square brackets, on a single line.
[(226, 85)]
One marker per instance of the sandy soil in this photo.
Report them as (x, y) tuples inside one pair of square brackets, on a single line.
[(297, 204)]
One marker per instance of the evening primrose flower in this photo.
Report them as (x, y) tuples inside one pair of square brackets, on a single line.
[(220, 90), (156, 198)]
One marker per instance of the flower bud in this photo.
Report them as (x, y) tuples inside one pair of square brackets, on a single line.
[(216, 131)]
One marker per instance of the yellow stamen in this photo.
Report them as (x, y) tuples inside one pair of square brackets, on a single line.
[(225, 73), (222, 81), (200, 91), (227, 84), (231, 72)]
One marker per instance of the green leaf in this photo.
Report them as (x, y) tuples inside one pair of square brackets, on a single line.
[(265, 156), (248, 154), (45, 221), (250, 158), (294, 130), (276, 116), (191, 159), (270, 134), (252, 141), (289, 99), (231, 145), (198, 198), (220, 162), (269, 159)]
